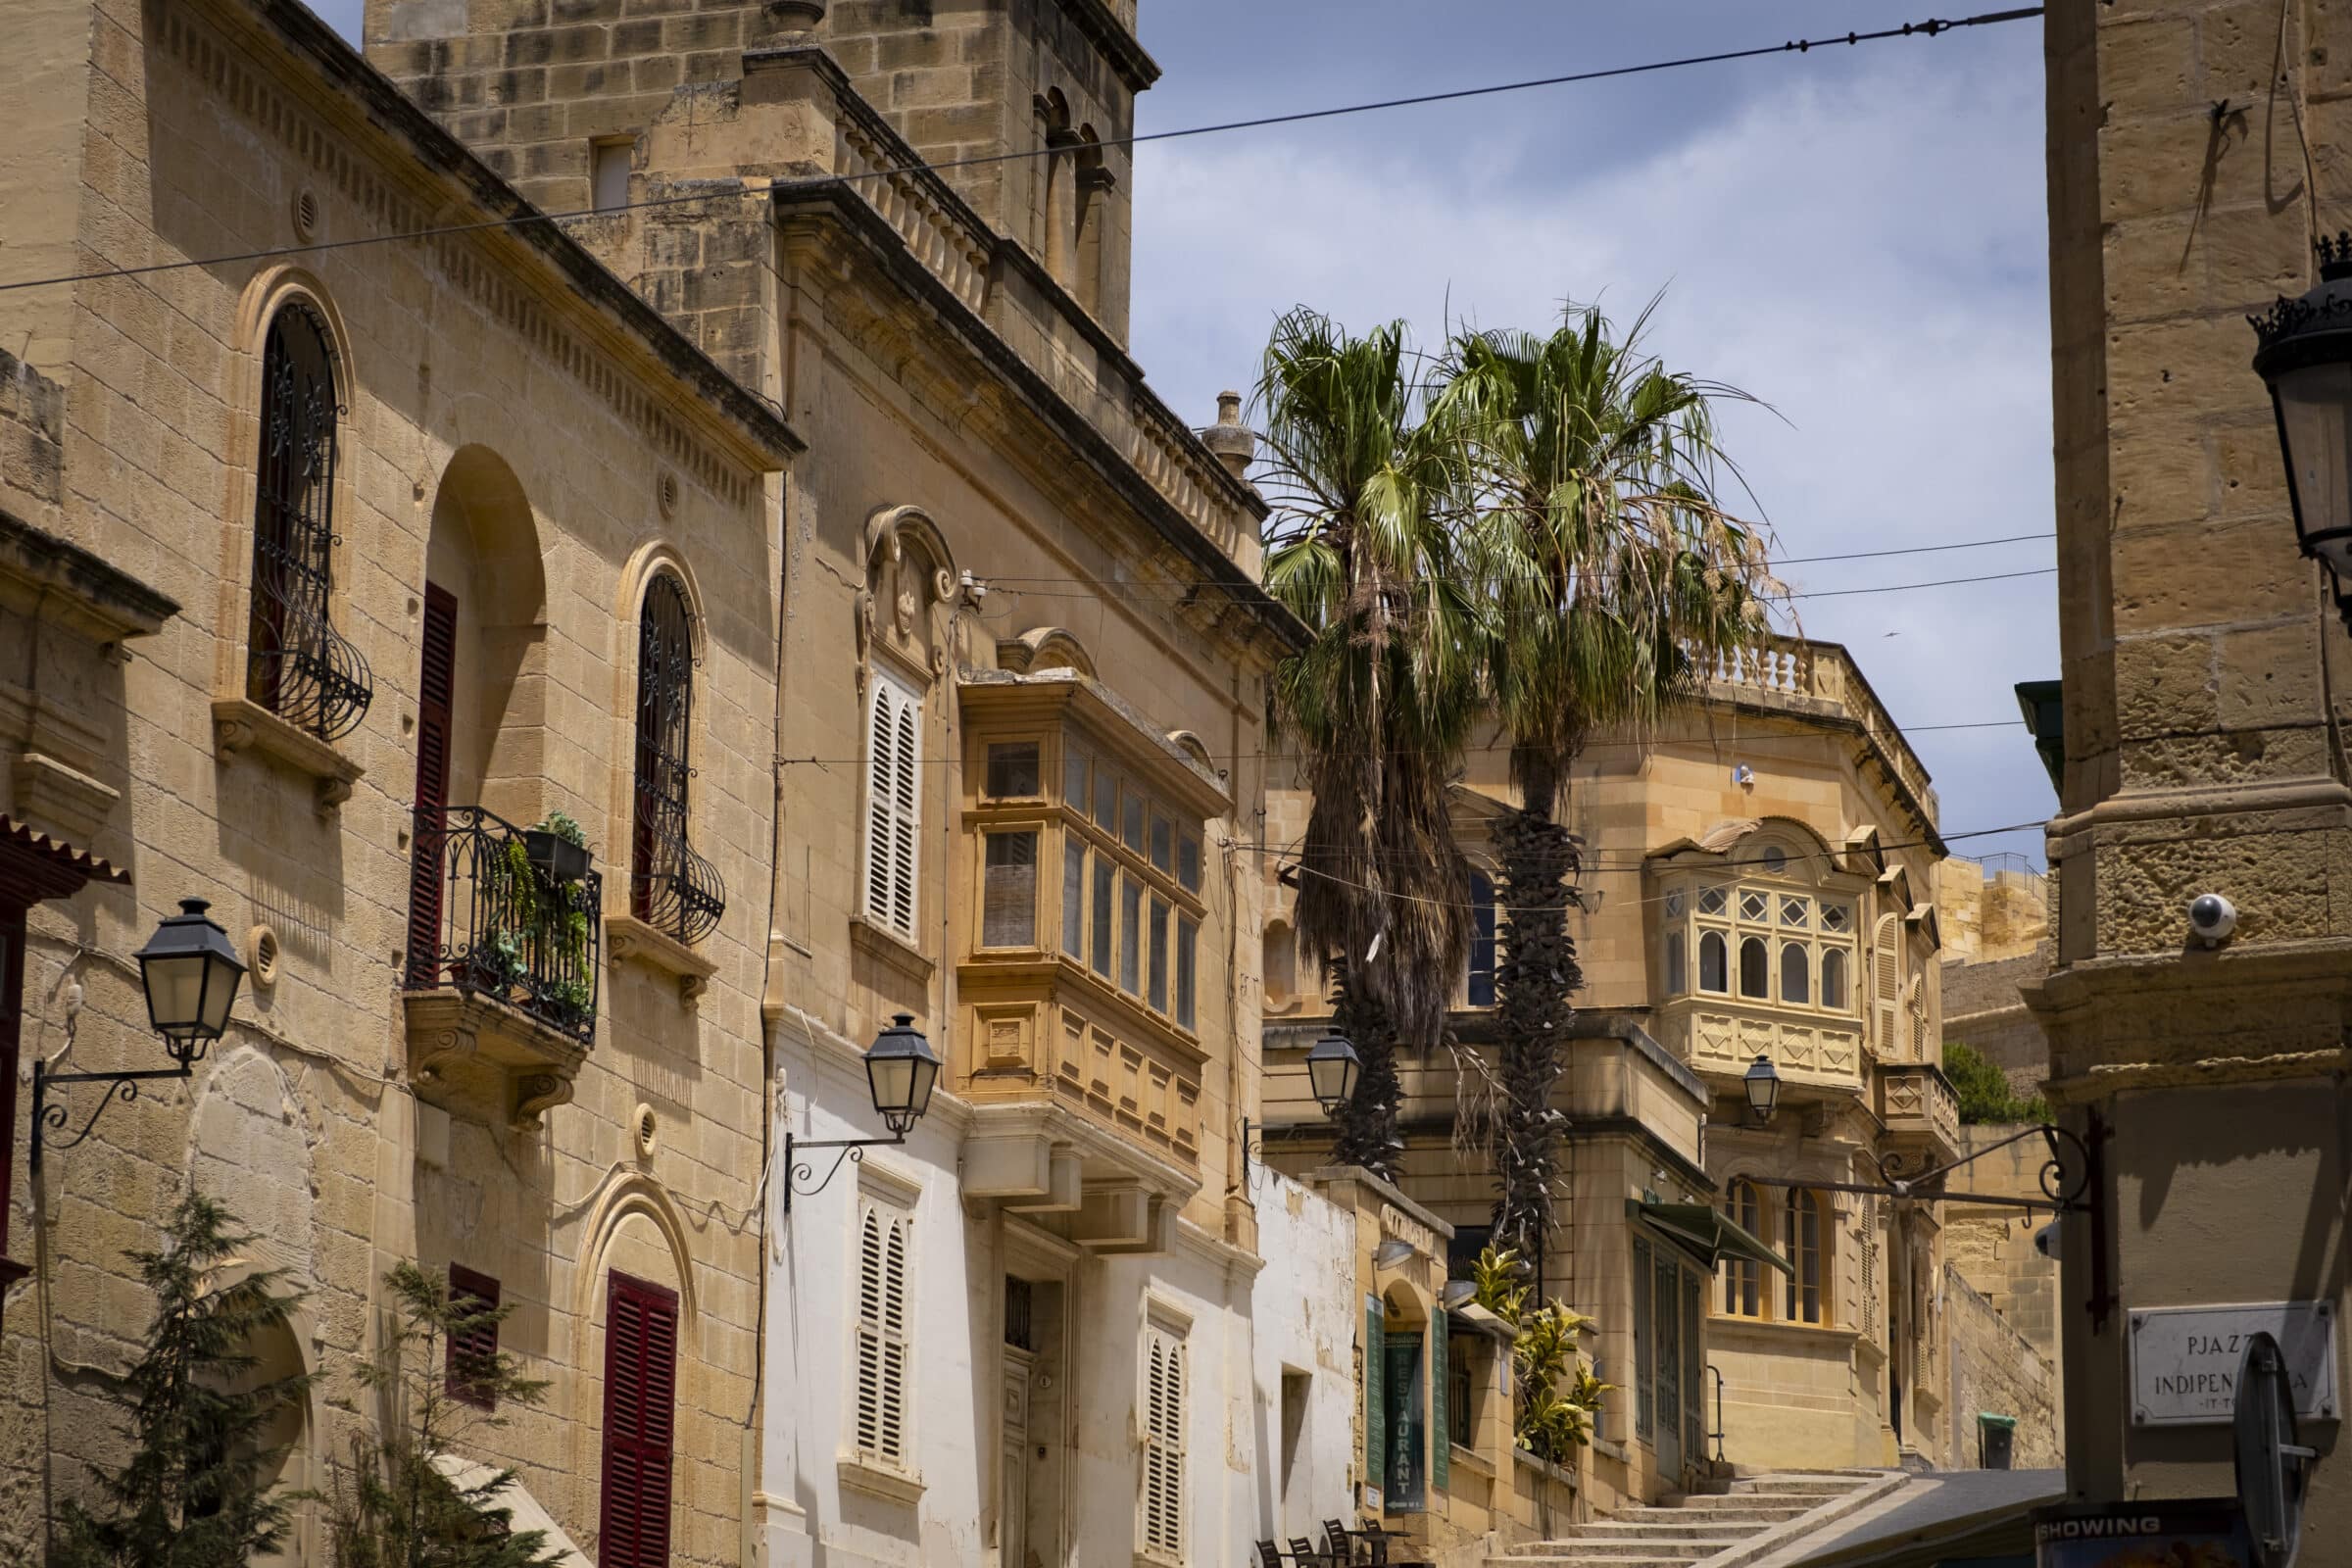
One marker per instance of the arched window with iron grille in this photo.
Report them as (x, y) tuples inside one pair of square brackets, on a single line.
[(671, 888), (297, 666)]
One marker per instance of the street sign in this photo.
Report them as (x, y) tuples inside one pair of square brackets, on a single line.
[(2272, 1465), (2184, 1359)]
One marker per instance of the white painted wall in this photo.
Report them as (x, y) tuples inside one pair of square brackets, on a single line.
[(1245, 1322), (1305, 1317)]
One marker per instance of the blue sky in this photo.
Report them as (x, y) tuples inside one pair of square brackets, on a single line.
[(1854, 235)]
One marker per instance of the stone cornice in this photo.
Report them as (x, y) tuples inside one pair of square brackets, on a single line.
[(1222, 583), (1137, 70)]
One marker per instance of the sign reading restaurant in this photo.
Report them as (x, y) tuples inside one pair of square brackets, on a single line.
[(2184, 1359)]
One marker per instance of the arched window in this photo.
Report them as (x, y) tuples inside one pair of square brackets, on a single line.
[(1796, 972), (1833, 979), (1713, 963), (1482, 939), (1673, 963), (297, 666), (671, 888), (1755, 968), (1742, 1277), (1801, 1231)]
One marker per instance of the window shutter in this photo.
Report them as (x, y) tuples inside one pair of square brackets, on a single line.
[(436, 686), (893, 809), (1376, 1428), (884, 1352), (1888, 983), (1441, 1430), (472, 1352), (1161, 1506), (641, 1358), (1645, 1369)]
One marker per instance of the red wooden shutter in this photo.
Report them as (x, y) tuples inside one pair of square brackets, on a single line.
[(436, 688), (641, 1372), (474, 1350)]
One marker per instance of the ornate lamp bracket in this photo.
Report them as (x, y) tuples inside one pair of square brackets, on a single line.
[(797, 1170), (49, 1118)]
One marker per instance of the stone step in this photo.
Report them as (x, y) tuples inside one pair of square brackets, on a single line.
[(1587, 1550), (1796, 1487), (1751, 1512), (1578, 1560), (1708, 1528)]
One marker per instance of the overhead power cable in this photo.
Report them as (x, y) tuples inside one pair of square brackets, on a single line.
[(1929, 29), (1176, 593), (1786, 560)]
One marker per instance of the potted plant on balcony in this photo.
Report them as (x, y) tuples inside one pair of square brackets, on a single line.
[(558, 848)]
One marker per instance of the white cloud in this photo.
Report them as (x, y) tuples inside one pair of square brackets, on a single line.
[(1866, 255)]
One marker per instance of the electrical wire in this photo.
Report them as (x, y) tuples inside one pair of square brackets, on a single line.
[(1175, 595), (1929, 29), (1714, 743), (1786, 560)]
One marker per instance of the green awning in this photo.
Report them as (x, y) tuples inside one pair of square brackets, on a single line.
[(1707, 1235)]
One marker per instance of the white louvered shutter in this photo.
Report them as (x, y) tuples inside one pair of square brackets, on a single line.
[(1162, 1503), (883, 1373), (1888, 983), (893, 789)]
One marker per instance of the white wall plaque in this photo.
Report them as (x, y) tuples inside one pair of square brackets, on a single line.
[(2184, 1359)]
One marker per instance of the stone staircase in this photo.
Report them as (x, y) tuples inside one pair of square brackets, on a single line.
[(1704, 1529)]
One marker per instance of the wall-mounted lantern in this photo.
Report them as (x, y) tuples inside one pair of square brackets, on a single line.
[(1332, 1068), (2305, 357), (190, 973), (901, 1071)]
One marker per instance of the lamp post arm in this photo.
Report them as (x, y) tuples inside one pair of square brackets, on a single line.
[(48, 1119), (797, 1170), (2060, 1186)]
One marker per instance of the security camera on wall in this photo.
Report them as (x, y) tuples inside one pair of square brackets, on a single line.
[(2211, 919), (2045, 1240)]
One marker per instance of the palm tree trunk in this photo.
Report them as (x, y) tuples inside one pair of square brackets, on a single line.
[(1367, 1123), (1537, 975)]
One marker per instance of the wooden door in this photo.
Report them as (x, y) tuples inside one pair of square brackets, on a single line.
[(436, 694)]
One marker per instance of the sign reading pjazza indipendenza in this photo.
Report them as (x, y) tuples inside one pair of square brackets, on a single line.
[(2184, 1359)]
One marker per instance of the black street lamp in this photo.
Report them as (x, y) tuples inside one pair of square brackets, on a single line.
[(2304, 354), (1332, 1068), (901, 1071), (1763, 1082), (190, 973)]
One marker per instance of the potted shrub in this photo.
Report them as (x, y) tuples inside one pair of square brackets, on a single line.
[(557, 848)]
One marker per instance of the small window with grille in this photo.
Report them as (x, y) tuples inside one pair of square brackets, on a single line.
[(297, 665), (671, 887)]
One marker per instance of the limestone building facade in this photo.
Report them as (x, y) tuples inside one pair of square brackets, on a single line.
[(2202, 678), (1018, 742), (744, 534), (328, 576), (1758, 881)]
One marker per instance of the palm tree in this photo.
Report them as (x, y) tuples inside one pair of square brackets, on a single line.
[(1381, 702), (1617, 576)]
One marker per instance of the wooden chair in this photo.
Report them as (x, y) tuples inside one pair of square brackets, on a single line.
[(1269, 1556), (1303, 1552), (1339, 1547)]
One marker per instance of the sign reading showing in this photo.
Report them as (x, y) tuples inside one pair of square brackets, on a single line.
[(2184, 1359)]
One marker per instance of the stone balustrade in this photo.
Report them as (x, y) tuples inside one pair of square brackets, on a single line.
[(1802, 670)]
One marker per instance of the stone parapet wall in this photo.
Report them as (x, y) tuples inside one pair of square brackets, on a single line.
[(1996, 1371)]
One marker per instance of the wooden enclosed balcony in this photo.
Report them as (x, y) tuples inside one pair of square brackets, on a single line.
[(1921, 1112), (504, 934), (1719, 1036)]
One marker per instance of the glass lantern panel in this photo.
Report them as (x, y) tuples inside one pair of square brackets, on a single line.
[(2315, 414), (176, 991)]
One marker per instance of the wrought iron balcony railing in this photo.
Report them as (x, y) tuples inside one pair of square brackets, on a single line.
[(486, 919), (302, 668)]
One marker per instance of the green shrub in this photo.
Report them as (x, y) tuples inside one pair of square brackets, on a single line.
[(1983, 1089)]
